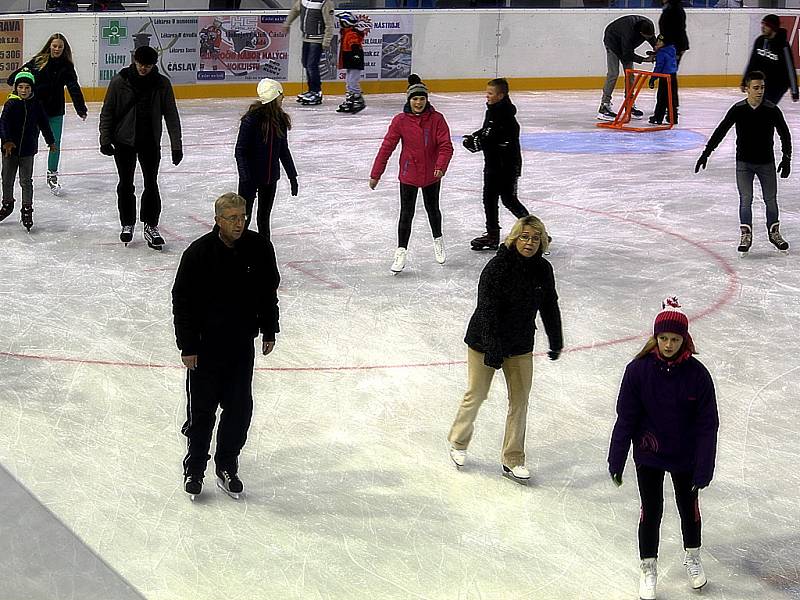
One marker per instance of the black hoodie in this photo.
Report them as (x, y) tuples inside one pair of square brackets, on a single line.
[(499, 137), (773, 57), (51, 80)]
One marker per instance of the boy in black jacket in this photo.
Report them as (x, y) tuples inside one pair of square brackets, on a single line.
[(499, 140), (22, 120), (772, 56)]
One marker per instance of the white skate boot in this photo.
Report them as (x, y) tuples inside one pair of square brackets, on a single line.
[(520, 473), (438, 250), (459, 457), (399, 260), (648, 579), (694, 568)]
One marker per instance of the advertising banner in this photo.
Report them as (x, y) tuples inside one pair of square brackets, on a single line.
[(11, 57)]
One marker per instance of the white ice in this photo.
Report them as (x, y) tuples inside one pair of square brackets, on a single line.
[(349, 489)]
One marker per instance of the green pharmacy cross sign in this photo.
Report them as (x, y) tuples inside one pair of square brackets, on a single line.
[(113, 32)]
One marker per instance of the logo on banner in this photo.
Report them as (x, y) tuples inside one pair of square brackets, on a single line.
[(114, 32)]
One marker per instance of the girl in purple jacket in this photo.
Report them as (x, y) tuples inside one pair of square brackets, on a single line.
[(667, 409), (424, 158)]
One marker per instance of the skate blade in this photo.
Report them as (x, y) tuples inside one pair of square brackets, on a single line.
[(743, 253), (515, 479), (234, 495), (153, 246), (192, 497), (458, 466)]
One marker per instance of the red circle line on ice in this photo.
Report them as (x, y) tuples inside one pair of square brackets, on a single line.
[(717, 304)]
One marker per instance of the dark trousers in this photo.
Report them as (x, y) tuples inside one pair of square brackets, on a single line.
[(310, 58), (23, 164), (651, 492), (408, 204), (504, 187), (221, 379), (662, 98), (775, 93), (149, 160), (266, 200)]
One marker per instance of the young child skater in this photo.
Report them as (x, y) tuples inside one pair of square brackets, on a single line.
[(515, 284), (425, 155), (667, 64), (667, 409), (54, 70), (351, 57), (498, 138), (261, 145), (22, 120)]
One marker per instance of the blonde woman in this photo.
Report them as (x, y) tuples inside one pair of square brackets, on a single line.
[(54, 70), (515, 285)]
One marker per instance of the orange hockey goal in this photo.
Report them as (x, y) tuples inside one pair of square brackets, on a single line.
[(634, 82)]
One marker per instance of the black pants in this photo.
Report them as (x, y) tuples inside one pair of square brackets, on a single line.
[(775, 93), (223, 378), (662, 98), (408, 204), (651, 492), (149, 159), (498, 185), (266, 200)]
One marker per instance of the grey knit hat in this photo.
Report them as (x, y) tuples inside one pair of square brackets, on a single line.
[(415, 87)]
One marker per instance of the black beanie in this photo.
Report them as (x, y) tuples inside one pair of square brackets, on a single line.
[(772, 21)]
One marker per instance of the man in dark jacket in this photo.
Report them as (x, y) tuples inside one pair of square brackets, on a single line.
[(138, 97), (672, 25), (498, 137), (621, 38), (772, 56), (225, 293)]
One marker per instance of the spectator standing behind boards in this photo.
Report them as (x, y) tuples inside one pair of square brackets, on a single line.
[(261, 147), (773, 57), (672, 25), (621, 38), (137, 98), (667, 410), (425, 155), (666, 64), (54, 70), (316, 25), (352, 32), (20, 123)]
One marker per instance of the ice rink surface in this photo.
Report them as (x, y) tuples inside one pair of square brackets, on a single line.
[(349, 489)]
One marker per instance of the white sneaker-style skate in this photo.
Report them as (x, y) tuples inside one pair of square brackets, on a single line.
[(399, 260), (694, 568), (459, 457), (52, 182), (438, 250), (648, 579), (520, 473)]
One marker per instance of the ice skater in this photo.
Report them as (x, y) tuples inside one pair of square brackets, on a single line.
[(54, 70), (225, 294), (21, 121), (772, 56), (137, 98), (425, 155), (498, 138), (514, 286), (667, 409), (316, 25), (261, 147), (756, 120), (666, 64), (621, 38), (352, 32)]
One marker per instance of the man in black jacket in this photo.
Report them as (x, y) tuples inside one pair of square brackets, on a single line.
[(138, 97), (498, 137), (621, 38), (225, 293), (772, 56)]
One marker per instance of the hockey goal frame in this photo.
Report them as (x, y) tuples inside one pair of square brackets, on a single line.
[(632, 89)]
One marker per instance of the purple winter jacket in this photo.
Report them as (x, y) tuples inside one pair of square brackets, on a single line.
[(669, 413)]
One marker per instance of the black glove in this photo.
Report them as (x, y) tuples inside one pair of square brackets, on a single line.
[(107, 149), (177, 156), (785, 166), (554, 354), (293, 184), (652, 83), (701, 162), (471, 143), (617, 479)]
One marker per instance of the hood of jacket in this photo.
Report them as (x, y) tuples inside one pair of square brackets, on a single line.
[(503, 108)]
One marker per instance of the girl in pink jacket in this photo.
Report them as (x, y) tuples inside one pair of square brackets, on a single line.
[(425, 154)]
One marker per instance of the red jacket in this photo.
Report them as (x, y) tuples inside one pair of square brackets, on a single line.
[(426, 147)]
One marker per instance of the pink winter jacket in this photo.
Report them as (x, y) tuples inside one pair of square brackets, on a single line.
[(426, 147)]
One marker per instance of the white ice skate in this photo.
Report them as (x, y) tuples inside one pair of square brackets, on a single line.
[(459, 457), (520, 474), (438, 250), (648, 579), (52, 182), (694, 568), (399, 260)]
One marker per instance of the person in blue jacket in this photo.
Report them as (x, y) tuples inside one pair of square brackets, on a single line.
[(666, 64), (261, 145), (667, 409)]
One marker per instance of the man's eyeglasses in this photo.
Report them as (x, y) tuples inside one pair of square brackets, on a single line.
[(234, 218)]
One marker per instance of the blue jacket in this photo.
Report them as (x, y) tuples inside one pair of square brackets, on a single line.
[(21, 122), (669, 412), (257, 159), (666, 60)]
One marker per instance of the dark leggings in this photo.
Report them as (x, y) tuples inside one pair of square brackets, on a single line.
[(662, 97), (266, 200), (651, 492), (408, 204)]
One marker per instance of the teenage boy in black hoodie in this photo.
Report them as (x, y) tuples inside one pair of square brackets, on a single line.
[(138, 97), (20, 123), (772, 56), (499, 140)]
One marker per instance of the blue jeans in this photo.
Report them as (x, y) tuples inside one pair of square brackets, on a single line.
[(310, 58), (767, 177)]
